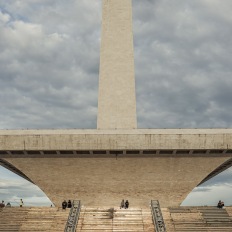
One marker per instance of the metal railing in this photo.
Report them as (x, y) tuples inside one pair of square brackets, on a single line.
[(73, 216), (157, 216)]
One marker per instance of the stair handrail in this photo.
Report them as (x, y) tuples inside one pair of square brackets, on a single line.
[(157, 216), (73, 217)]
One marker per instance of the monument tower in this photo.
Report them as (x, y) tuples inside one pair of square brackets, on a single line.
[(116, 100)]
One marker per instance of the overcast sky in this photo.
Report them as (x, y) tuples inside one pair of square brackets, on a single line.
[(49, 63)]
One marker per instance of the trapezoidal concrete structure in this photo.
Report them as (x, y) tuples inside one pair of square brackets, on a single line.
[(117, 161), (103, 166)]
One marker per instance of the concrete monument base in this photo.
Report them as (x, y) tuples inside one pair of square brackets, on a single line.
[(101, 167)]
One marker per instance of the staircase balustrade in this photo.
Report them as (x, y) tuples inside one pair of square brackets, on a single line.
[(73, 216), (157, 216)]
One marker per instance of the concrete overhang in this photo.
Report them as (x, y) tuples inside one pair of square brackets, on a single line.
[(138, 141)]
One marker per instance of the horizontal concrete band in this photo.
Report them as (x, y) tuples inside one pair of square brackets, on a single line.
[(130, 141)]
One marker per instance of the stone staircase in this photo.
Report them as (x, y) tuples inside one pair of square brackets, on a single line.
[(38, 219), (193, 219), (106, 219), (115, 220)]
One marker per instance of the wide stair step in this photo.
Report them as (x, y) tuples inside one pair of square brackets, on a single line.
[(115, 220), (33, 219), (189, 219)]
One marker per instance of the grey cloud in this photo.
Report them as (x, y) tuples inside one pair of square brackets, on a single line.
[(50, 66), (199, 197), (202, 189), (13, 188), (223, 178), (182, 64), (40, 79)]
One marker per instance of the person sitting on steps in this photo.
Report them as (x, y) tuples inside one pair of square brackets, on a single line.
[(223, 204), (69, 204), (8, 204), (220, 204), (64, 204), (126, 204)]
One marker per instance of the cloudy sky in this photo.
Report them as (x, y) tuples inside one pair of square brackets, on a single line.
[(49, 65)]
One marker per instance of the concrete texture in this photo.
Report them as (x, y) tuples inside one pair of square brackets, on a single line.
[(116, 100), (33, 219), (208, 219), (141, 139), (105, 181), (116, 220)]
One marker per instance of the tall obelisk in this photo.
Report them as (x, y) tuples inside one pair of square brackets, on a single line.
[(116, 98)]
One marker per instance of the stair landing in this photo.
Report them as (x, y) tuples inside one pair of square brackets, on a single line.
[(115, 220)]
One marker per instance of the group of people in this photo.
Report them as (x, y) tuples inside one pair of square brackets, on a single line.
[(124, 204), (2, 205), (220, 204), (66, 204)]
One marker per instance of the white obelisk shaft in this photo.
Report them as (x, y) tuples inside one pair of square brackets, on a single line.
[(116, 100)]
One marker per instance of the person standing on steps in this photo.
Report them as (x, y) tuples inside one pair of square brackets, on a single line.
[(2, 205), (21, 203), (122, 204), (126, 204)]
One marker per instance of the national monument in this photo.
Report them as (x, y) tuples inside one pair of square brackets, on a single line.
[(117, 160)]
